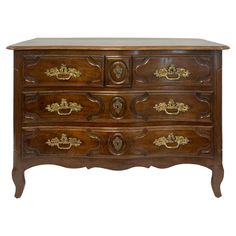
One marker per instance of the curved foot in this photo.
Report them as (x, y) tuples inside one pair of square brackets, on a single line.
[(19, 181), (217, 177)]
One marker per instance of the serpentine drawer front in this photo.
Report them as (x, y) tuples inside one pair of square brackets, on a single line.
[(117, 143), (73, 106), (64, 70), (175, 70), (117, 103)]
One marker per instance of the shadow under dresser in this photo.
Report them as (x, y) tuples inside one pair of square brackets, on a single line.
[(117, 103)]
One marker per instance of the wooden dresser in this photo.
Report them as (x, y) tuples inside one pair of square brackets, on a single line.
[(117, 103)]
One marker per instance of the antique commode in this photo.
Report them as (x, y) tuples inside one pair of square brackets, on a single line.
[(117, 103)]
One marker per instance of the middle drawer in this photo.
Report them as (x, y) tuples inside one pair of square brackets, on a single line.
[(61, 106)]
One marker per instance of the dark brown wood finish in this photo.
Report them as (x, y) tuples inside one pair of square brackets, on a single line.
[(47, 70), (200, 69), (118, 71), (118, 44), (122, 107), (106, 143), (117, 103)]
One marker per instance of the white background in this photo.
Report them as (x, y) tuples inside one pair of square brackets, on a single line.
[(138, 201)]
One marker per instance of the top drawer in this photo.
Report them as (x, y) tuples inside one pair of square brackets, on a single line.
[(49, 70), (173, 70)]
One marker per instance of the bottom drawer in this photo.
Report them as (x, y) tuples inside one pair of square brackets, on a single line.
[(117, 143)]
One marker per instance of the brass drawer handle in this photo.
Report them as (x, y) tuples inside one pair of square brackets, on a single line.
[(63, 73), (172, 73), (63, 106), (171, 105), (171, 139), (64, 143)]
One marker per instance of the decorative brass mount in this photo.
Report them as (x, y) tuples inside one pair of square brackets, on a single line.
[(172, 73), (63, 73), (171, 139)]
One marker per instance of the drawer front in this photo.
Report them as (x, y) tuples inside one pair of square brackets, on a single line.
[(173, 71), (117, 143), (107, 107), (174, 106), (68, 70)]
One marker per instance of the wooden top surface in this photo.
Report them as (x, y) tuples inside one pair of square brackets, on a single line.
[(117, 44)]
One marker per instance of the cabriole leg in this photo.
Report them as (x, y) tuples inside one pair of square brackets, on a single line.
[(19, 181), (217, 177)]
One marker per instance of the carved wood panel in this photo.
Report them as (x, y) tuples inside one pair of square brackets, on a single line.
[(173, 71), (61, 107), (118, 71), (59, 142), (63, 70), (173, 106)]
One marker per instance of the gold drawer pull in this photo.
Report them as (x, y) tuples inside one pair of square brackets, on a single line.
[(64, 105), (172, 73), (171, 139), (64, 143), (63, 73), (171, 105)]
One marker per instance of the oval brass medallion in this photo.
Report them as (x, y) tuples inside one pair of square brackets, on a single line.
[(118, 72), (117, 107), (117, 144)]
